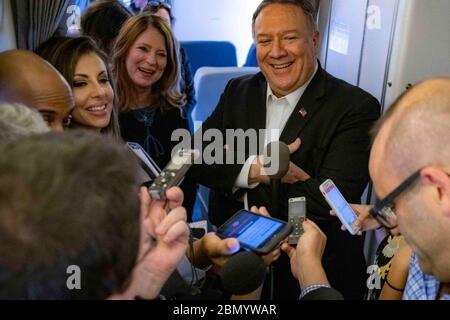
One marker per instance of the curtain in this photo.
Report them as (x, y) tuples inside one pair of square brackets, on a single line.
[(36, 21)]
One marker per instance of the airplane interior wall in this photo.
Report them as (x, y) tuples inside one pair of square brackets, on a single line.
[(218, 20), (384, 46), (7, 34)]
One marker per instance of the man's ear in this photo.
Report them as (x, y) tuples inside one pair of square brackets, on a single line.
[(316, 41), (441, 181)]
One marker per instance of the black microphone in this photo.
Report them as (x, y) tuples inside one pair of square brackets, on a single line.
[(242, 273), (278, 163)]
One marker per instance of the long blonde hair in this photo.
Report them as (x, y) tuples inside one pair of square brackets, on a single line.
[(166, 91)]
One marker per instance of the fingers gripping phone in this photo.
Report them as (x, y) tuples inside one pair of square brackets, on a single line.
[(340, 206), (255, 232), (296, 216)]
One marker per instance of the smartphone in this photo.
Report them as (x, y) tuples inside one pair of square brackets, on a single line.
[(296, 216), (173, 173), (255, 232), (340, 206), (148, 170)]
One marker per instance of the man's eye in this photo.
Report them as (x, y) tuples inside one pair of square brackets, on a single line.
[(48, 119)]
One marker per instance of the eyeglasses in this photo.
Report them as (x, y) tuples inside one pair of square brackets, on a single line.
[(383, 210), (159, 3)]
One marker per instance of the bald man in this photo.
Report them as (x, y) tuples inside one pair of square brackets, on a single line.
[(410, 168), (28, 79)]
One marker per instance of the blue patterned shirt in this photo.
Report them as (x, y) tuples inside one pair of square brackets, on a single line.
[(421, 286)]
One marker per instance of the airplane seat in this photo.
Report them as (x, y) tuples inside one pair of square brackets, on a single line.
[(209, 83), (210, 53), (251, 57)]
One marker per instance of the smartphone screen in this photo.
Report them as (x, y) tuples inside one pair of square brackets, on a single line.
[(340, 204), (251, 229)]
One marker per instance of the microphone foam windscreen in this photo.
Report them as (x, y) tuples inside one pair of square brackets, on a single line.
[(279, 158), (243, 273)]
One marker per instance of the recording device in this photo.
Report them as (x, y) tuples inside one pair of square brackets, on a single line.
[(296, 216), (149, 170), (243, 273), (173, 173), (340, 206), (255, 232), (279, 156)]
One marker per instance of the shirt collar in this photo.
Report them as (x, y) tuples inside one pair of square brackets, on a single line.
[(293, 97)]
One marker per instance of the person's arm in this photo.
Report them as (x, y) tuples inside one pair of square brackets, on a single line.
[(344, 161), (395, 282)]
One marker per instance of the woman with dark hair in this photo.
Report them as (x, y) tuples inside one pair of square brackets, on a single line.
[(102, 21), (85, 68), (146, 71)]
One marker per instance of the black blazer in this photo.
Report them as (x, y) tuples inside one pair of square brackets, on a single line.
[(335, 144), (334, 134)]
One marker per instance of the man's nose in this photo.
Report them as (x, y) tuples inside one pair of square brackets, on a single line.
[(277, 50)]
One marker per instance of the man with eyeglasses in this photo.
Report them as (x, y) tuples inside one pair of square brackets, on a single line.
[(410, 168)]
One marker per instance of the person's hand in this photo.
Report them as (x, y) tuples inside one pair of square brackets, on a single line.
[(274, 254), (255, 175), (164, 240), (306, 258), (211, 249), (364, 220), (293, 175)]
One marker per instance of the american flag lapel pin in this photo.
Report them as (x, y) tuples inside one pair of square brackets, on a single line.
[(303, 112)]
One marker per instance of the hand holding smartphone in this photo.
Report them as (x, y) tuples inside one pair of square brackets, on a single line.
[(255, 232), (340, 206)]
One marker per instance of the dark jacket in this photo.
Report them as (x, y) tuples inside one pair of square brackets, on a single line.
[(334, 128)]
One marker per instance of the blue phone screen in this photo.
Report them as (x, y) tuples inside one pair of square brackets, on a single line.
[(341, 204), (250, 229)]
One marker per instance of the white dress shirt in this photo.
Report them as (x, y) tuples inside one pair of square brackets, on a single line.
[(278, 111)]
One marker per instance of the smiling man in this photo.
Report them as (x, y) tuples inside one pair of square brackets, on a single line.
[(294, 95), (28, 79)]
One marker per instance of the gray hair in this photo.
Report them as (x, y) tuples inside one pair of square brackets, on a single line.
[(67, 198), (17, 120), (307, 6)]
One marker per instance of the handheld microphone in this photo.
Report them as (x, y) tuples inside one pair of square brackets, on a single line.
[(242, 273), (279, 158)]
